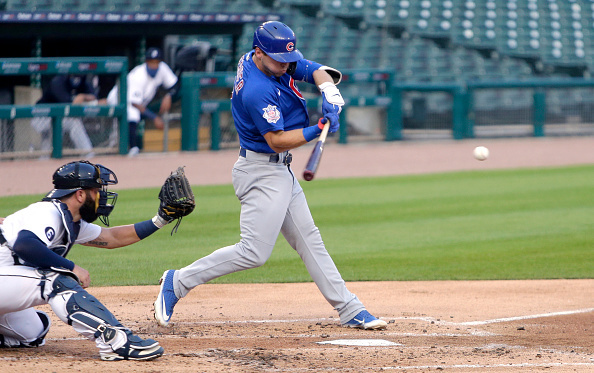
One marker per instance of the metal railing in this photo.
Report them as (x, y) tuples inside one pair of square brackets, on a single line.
[(57, 112)]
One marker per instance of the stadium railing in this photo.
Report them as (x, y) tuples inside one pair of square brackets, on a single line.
[(194, 105), (57, 112), (537, 108)]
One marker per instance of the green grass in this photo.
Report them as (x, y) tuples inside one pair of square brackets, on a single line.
[(511, 224)]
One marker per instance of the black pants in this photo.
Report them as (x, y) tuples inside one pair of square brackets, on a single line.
[(132, 139)]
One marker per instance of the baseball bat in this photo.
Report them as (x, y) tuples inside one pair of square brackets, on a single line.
[(316, 155)]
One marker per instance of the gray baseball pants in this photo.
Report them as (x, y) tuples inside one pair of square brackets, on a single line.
[(272, 201)]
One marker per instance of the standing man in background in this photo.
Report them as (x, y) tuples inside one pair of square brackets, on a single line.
[(143, 82), (271, 118), (65, 89)]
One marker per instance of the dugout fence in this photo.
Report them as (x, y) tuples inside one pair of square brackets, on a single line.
[(18, 140), (378, 108), (206, 122), (411, 111)]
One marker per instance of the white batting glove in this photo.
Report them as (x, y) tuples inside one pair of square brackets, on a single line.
[(333, 100)]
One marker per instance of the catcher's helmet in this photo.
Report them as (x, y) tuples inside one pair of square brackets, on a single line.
[(78, 175), (278, 41)]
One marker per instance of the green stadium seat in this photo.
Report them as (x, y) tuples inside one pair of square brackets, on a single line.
[(432, 18), (41, 5), (390, 13), (344, 8), (317, 3)]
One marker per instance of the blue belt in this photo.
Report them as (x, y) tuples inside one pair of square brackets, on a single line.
[(272, 158)]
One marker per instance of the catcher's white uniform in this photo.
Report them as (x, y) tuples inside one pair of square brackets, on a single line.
[(23, 287)]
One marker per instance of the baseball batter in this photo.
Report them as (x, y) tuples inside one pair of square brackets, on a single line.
[(143, 82), (34, 269), (271, 118)]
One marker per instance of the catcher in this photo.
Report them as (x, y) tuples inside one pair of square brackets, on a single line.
[(34, 270)]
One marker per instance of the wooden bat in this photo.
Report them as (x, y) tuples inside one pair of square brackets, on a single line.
[(316, 155)]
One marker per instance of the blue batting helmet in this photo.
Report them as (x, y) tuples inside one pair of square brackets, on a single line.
[(278, 41)]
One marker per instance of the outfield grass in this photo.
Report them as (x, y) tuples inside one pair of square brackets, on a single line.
[(511, 224)]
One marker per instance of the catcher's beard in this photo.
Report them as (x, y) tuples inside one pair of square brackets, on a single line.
[(88, 211)]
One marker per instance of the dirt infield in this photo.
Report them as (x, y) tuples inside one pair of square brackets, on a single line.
[(493, 326)]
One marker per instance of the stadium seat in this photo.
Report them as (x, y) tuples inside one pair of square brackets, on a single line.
[(431, 18), (344, 8), (391, 13)]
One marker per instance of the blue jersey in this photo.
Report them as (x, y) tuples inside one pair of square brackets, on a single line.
[(261, 103)]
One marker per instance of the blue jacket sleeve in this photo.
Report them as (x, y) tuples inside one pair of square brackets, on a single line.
[(59, 92), (34, 252)]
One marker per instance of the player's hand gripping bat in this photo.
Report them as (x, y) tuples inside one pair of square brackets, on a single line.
[(316, 155)]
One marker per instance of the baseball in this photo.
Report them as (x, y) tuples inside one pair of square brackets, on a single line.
[(481, 153)]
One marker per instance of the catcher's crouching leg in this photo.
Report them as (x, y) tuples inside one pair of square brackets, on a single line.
[(16, 329), (75, 306)]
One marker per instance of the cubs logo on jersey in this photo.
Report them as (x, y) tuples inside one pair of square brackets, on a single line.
[(271, 114), (295, 89)]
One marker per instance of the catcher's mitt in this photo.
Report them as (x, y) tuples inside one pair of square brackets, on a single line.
[(177, 198)]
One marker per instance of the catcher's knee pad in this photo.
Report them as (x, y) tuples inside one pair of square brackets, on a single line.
[(84, 309)]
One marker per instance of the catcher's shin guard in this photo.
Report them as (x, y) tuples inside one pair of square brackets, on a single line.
[(92, 319)]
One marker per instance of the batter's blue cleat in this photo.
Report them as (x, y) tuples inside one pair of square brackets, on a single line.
[(365, 320), (166, 299)]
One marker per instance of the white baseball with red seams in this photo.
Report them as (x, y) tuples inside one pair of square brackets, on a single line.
[(481, 153)]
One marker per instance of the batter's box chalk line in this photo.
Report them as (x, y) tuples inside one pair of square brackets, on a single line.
[(361, 342)]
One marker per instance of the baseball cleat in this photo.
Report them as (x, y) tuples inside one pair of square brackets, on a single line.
[(135, 348), (365, 320), (166, 299)]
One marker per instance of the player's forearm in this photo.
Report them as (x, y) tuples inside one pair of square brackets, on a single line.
[(114, 237), (321, 76), (165, 104), (123, 235), (83, 98), (281, 141)]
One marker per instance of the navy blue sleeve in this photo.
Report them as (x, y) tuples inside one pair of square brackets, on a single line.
[(33, 251), (87, 87), (59, 91)]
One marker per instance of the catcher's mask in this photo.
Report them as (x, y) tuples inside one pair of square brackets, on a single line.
[(79, 175)]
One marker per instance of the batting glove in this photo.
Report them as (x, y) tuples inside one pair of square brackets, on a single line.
[(334, 124), (332, 99)]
